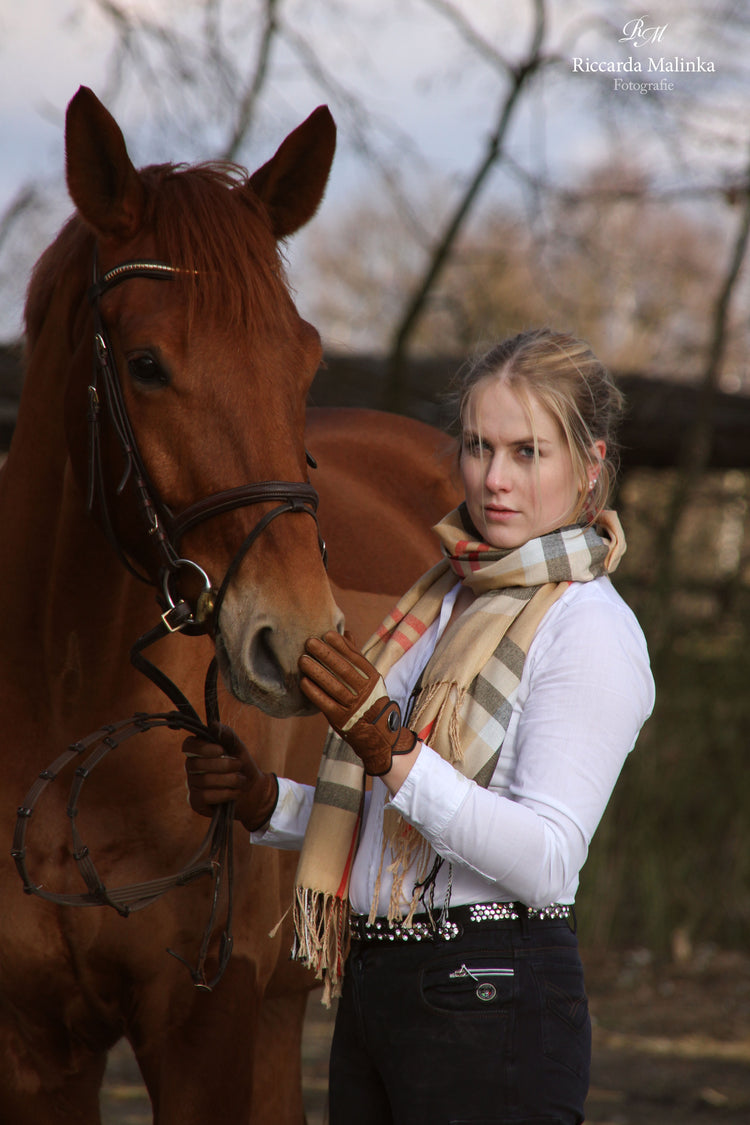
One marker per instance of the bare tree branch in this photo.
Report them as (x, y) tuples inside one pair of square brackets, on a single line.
[(360, 124), (25, 198), (179, 64), (248, 101), (469, 34), (519, 76), (699, 437)]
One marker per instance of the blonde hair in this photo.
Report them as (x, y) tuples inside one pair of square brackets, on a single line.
[(562, 373)]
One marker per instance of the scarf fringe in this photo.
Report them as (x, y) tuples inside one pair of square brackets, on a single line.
[(322, 937), (453, 695), (408, 849)]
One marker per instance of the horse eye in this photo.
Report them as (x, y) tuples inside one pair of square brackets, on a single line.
[(147, 371)]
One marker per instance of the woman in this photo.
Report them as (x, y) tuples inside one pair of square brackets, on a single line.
[(493, 710)]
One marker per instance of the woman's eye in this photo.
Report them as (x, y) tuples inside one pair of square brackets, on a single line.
[(147, 371), (527, 452)]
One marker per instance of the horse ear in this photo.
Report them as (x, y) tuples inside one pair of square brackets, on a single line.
[(102, 181), (292, 183)]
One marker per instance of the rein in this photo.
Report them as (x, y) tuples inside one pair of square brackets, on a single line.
[(215, 855)]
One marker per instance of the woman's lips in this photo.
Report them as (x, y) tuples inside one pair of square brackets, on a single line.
[(493, 512)]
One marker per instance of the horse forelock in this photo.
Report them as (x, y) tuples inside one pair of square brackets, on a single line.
[(208, 224)]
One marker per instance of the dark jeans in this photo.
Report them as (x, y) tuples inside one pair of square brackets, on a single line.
[(492, 1028)]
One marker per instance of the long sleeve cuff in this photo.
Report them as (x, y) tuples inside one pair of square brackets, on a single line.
[(286, 828)]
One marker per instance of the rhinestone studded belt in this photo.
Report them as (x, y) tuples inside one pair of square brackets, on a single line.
[(452, 927)]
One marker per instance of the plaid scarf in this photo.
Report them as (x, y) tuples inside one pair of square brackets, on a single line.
[(462, 709)]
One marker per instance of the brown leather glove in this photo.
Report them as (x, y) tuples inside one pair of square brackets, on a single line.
[(225, 770), (351, 693)]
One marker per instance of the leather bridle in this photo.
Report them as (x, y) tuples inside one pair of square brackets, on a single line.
[(162, 526), (215, 856)]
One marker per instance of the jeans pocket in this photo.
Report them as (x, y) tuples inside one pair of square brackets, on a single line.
[(468, 982), (566, 1027)]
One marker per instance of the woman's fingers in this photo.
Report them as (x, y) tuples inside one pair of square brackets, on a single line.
[(333, 711), (335, 661), (195, 747), (312, 668)]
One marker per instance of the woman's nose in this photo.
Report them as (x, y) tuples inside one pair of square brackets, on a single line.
[(497, 476)]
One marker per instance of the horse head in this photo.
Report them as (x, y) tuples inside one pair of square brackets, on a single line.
[(191, 434)]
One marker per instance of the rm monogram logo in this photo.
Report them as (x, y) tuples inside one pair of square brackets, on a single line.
[(636, 32)]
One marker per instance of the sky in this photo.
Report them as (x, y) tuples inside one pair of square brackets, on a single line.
[(49, 47), (430, 99), (410, 64)]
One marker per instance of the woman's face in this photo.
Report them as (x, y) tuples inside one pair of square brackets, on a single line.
[(510, 496)]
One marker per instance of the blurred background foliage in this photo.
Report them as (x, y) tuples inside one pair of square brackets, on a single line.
[(482, 186), (670, 866)]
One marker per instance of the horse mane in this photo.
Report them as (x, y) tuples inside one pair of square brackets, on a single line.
[(206, 221)]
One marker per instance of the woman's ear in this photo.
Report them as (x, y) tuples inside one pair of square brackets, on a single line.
[(599, 449)]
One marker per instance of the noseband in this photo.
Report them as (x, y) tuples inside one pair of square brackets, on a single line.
[(215, 856)]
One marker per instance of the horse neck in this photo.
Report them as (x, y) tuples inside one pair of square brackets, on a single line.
[(64, 595), (32, 482)]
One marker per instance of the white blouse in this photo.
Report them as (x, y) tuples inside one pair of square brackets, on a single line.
[(585, 692)]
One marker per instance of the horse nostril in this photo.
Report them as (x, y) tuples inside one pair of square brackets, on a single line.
[(264, 661)]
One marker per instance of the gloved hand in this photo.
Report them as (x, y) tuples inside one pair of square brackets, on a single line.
[(224, 770), (351, 693)]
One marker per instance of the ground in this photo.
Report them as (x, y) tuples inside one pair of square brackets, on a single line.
[(671, 1044), (671, 1041)]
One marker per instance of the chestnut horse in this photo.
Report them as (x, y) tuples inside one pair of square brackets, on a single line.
[(147, 477)]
